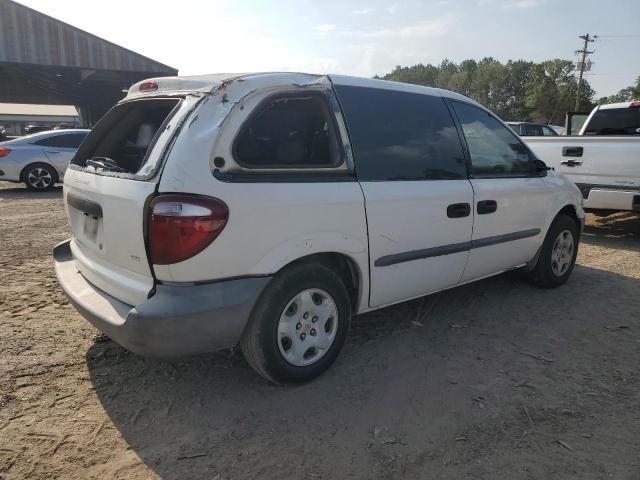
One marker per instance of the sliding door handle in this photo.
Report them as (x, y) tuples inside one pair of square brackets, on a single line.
[(458, 210), (487, 206)]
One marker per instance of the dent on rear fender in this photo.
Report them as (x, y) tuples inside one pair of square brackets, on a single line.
[(328, 242)]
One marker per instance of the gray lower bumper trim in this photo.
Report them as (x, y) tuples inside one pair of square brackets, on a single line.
[(176, 320)]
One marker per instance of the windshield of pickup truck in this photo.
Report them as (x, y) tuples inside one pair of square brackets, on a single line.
[(615, 121)]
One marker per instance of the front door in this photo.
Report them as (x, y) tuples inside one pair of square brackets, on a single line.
[(411, 167), (511, 204)]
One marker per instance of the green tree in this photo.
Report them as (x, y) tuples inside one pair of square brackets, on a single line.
[(551, 91), (515, 90), (632, 92)]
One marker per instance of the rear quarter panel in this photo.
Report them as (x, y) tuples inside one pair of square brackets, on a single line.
[(270, 224)]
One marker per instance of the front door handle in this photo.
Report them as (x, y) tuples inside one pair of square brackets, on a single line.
[(49, 151), (571, 163), (487, 206), (572, 151), (458, 210)]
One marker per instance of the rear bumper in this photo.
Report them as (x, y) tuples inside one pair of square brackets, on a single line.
[(176, 320)]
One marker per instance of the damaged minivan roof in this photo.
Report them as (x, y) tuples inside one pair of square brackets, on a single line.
[(210, 83)]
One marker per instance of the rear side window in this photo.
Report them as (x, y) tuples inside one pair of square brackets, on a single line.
[(548, 131), (121, 140), (495, 150), (71, 140), (289, 131), (401, 136), (615, 121)]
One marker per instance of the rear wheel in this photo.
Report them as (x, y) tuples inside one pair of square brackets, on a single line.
[(39, 176), (299, 324), (558, 254)]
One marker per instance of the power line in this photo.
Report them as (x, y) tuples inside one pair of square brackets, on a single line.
[(624, 35), (582, 64)]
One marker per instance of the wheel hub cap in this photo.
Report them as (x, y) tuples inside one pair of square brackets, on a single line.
[(307, 327), (562, 253), (39, 178)]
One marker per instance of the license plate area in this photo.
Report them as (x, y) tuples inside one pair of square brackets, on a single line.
[(91, 227), (86, 221)]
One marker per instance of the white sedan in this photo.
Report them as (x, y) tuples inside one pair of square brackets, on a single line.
[(39, 160)]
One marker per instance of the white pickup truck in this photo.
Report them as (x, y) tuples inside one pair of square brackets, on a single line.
[(603, 160)]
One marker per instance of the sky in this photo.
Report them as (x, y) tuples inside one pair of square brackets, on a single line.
[(362, 38)]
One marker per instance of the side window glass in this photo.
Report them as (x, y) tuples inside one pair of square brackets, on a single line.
[(515, 128), (401, 136), (615, 121), (72, 140), (494, 149), (47, 142), (548, 131), (532, 130), (289, 131)]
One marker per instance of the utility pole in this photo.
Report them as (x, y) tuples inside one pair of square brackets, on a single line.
[(582, 64)]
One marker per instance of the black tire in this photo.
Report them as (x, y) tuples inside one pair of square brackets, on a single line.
[(39, 177), (543, 273), (260, 340)]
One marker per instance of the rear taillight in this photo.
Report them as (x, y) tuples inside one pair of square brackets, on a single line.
[(634, 104), (181, 226), (4, 151)]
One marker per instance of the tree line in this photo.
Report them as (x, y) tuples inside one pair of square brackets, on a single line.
[(517, 90)]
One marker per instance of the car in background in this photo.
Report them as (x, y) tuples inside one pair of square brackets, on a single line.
[(31, 129), (39, 160), (558, 129), (529, 129), (65, 126)]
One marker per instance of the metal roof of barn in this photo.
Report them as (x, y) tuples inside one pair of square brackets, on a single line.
[(30, 37), (31, 109)]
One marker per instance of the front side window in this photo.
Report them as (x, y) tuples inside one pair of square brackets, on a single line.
[(494, 149), (70, 140), (289, 131), (615, 121), (401, 136)]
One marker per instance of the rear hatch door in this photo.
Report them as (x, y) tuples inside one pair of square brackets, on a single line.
[(107, 187)]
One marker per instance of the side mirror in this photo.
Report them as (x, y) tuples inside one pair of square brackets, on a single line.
[(541, 168)]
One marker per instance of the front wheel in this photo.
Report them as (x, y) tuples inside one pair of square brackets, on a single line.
[(299, 324), (558, 254)]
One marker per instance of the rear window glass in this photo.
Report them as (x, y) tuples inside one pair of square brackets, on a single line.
[(532, 130), (123, 137), (289, 131), (515, 127), (401, 136), (618, 121), (71, 140)]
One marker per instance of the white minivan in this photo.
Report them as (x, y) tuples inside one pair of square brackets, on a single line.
[(266, 209)]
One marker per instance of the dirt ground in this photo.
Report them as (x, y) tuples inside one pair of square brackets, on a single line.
[(495, 380)]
